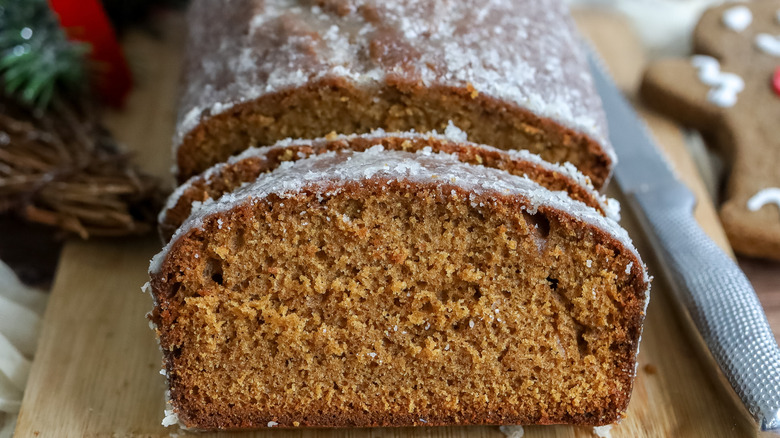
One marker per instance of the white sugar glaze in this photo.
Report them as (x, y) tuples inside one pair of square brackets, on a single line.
[(525, 52)]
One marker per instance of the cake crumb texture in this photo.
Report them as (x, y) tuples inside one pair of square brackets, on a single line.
[(391, 301)]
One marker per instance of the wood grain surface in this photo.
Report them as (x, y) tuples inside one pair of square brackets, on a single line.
[(96, 370)]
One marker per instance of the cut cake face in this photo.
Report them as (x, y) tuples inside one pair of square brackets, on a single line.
[(392, 288)]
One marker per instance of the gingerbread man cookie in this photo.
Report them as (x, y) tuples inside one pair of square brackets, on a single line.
[(730, 91)]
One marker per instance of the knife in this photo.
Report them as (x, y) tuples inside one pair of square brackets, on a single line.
[(710, 286)]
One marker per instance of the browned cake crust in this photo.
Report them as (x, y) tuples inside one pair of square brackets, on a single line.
[(508, 73), (487, 121), (385, 300), (225, 177)]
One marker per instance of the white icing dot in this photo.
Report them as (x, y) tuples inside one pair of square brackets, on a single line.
[(272, 423), (764, 197), (737, 18), (769, 44), (533, 59), (589, 263), (471, 324), (724, 87)]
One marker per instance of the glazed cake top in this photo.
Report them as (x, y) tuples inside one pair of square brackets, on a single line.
[(525, 52), (452, 134), (326, 174)]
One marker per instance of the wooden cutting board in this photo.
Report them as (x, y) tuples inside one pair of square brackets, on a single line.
[(96, 372)]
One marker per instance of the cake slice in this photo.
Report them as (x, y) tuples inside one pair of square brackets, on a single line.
[(511, 73), (390, 288), (247, 166)]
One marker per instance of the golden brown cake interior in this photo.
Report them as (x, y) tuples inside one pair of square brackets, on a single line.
[(391, 304), (334, 105)]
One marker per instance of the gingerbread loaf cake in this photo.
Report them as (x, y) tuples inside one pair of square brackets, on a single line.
[(392, 288), (510, 73), (248, 165)]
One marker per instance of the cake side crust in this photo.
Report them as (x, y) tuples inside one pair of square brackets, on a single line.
[(333, 104), (524, 54)]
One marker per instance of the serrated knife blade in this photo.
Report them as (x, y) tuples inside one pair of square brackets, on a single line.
[(712, 289)]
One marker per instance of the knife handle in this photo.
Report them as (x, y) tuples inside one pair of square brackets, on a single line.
[(719, 298)]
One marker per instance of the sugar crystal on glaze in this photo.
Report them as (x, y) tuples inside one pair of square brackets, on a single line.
[(431, 43)]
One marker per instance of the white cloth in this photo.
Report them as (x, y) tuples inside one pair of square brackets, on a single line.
[(21, 311), (665, 26)]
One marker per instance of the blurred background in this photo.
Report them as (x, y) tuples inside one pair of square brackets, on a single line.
[(64, 65)]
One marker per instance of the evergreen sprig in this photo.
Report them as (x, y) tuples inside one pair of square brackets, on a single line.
[(37, 60)]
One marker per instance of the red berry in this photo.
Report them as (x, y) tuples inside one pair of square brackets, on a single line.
[(85, 20), (776, 81)]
